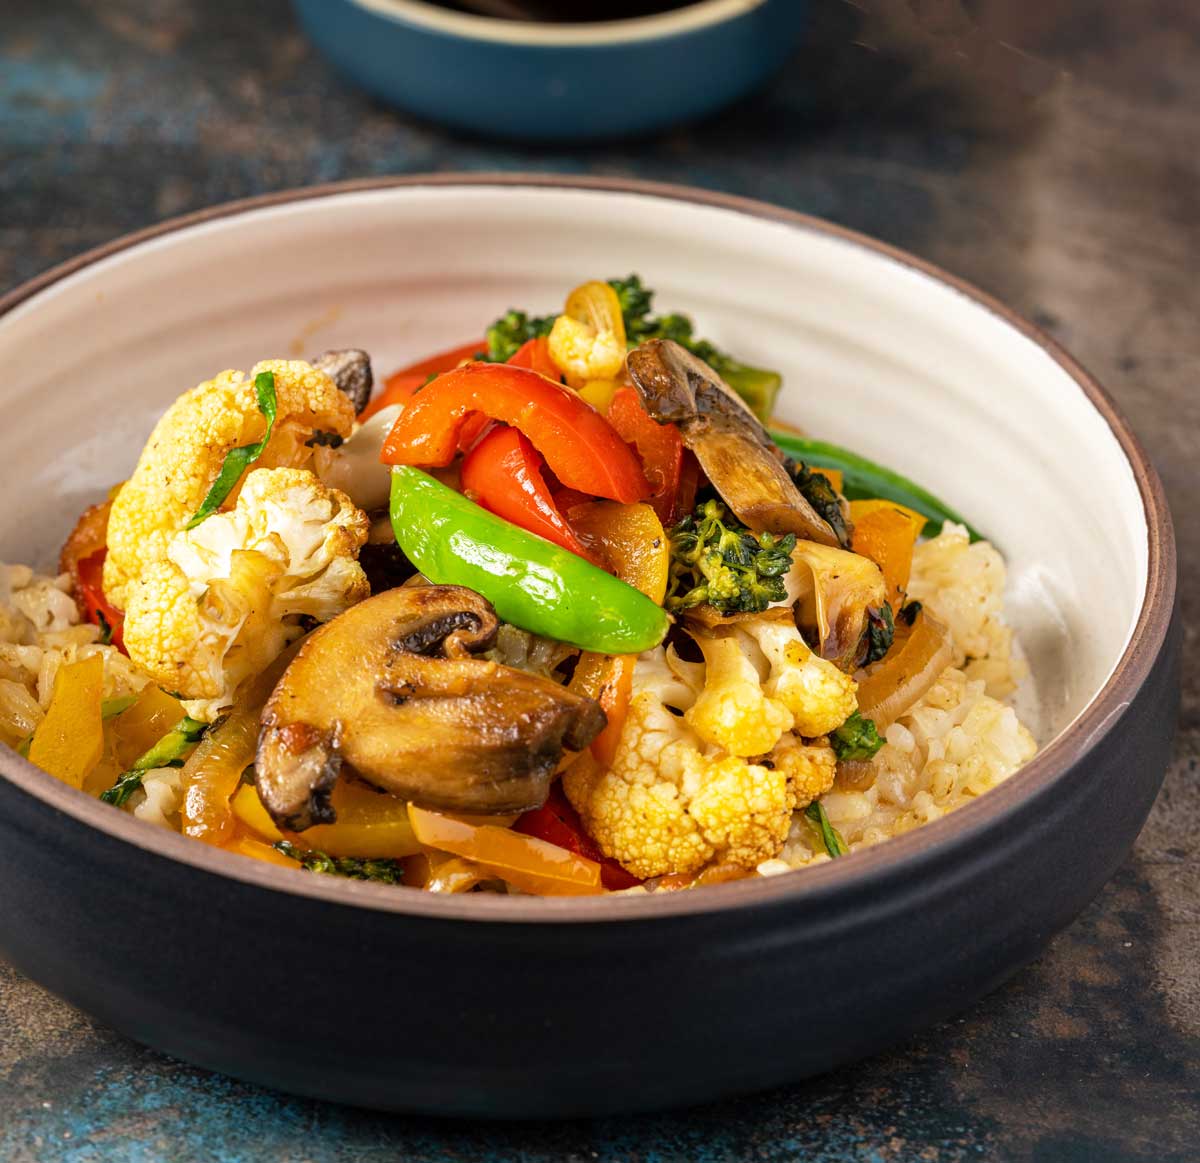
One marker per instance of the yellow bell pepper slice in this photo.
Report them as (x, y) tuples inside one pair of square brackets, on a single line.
[(69, 741), (525, 862), (136, 730)]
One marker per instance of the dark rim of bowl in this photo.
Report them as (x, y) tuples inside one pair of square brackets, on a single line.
[(693, 17), (860, 870)]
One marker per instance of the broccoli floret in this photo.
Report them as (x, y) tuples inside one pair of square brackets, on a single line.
[(513, 329), (756, 386), (856, 738), (384, 871), (817, 489), (881, 630), (716, 559)]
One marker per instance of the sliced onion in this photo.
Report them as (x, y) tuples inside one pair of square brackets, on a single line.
[(892, 686)]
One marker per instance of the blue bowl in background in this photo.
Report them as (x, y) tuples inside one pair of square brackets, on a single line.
[(555, 82)]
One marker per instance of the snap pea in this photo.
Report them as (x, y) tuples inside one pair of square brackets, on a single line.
[(532, 583), (863, 479)]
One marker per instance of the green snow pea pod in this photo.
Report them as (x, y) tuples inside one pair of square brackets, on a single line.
[(532, 583)]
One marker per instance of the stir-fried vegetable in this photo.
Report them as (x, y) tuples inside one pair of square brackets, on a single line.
[(580, 446), (881, 630), (907, 673), (863, 479), (69, 741), (587, 341), (717, 560), (630, 540), (503, 473), (237, 460), (887, 533), (401, 385), (661, 450), (167, 752), (820, 492), (532, 583), (856, 738), (529, 864), (512, 331), (382, 871), (826, 832)]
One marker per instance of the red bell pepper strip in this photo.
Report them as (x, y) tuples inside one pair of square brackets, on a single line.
[(503, 473), (558, 823), (97, 609), (400, 385), (581, 448), (535, 355), (659, 445)]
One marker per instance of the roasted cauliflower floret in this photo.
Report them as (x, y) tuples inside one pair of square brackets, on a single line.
[(819, 696), (230, 594), (665, 806), (733, 712), (188, 446), (809, 767)]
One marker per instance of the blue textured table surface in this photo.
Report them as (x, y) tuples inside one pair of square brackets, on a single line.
[(1050, 153)]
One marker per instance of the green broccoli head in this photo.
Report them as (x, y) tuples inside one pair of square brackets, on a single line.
[(856, 738), (716, 559), (511, 330)]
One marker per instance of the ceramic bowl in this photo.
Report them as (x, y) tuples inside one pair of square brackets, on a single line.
[(509, 1006), (565, 82)]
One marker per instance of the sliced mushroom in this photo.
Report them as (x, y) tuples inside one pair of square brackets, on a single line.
[(726, 437), (390, 689), (350, 369)]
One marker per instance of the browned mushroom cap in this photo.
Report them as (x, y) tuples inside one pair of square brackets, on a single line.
[(726, 437), (350, 370), (390, 689)]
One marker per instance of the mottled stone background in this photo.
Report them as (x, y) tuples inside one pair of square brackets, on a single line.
[(1049, 152)]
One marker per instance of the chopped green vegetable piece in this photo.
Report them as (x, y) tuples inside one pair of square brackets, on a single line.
[(716, 559), (817, 489), (856, 738), (828, 834), (167, 752), (237, 460), (513, 329), (105, 629), (881, 630), (863, 479), (383, 870), (23, 748), (111, 708)]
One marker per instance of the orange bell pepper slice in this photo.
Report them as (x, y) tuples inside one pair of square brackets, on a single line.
[(581, 448), (660, 447), (886, 533), (525, 862), (631, 539)]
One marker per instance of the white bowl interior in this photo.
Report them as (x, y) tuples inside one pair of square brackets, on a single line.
[(876, 355)]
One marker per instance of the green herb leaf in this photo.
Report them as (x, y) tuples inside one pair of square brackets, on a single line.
[(111, 708), (856, 738), (237, 460), (829, 835), (167, 752), (817, 489), (881, 630), (106, 631), (383, 871)]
